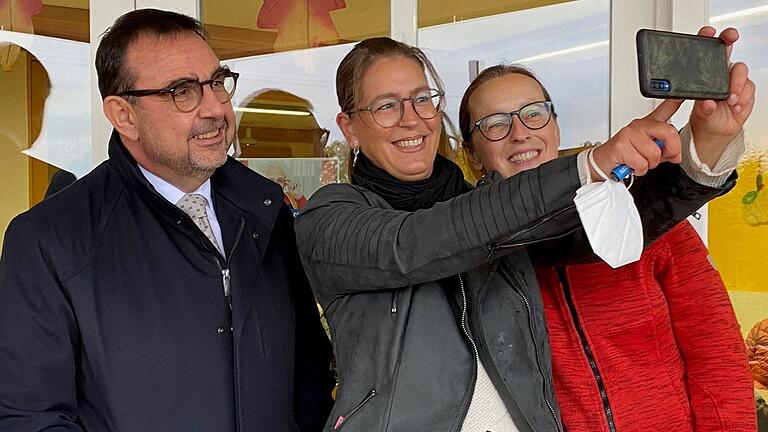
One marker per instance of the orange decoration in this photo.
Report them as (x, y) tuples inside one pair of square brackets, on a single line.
[(16, 15), (300, 23)]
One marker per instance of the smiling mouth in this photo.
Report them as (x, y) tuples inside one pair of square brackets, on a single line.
[(207, 135), (524, 156), (409, 143)]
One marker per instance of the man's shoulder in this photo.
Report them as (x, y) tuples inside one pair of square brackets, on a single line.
[(73, 212), (80, 195)]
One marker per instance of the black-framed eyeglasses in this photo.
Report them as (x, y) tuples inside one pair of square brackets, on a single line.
[(188, 93), (388, 111), (534, 116)]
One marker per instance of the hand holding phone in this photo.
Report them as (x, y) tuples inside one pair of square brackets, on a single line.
[(675, 65), (714, 124), (682, 66)]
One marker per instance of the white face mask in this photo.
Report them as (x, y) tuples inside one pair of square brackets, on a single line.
[(611, 220)]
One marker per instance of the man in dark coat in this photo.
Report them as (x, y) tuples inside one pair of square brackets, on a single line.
[(121, 311)]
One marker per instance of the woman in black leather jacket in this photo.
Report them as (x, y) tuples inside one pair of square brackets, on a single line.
[(432, 302)]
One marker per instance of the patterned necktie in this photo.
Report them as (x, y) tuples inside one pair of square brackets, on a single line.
[(194, 205)]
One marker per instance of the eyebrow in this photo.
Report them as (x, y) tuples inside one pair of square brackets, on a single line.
[(507, 112), (176, 81), (397, 96)]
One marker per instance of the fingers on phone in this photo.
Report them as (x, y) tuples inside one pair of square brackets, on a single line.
[(746, 100), (729, 35), (739, 78), (707, 31), (665, 110)]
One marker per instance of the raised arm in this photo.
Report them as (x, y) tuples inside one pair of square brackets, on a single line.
[(351, 240), (716, 123)]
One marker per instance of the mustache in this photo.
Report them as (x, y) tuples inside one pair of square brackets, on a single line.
[(206, 126)]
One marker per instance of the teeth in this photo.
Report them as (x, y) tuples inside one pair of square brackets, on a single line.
[(523, 157), (408, 143), (207, 135)]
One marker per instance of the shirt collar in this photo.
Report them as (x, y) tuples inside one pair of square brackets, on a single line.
[(171, 192)]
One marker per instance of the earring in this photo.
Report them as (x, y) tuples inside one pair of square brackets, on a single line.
[(355, 152)]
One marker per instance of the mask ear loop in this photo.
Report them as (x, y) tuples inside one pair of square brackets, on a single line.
[(600, 172), (597, 169)]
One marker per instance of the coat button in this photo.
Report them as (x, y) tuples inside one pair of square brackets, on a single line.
[(267, 202), (255, 235), (220, 330)]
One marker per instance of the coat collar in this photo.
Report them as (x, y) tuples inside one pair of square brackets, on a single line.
[(254, 196)]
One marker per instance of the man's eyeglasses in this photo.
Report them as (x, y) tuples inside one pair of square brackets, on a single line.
[(388, 111), (188, 93), (496, 127)]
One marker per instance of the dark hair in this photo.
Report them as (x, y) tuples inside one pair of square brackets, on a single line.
[(115, 76), (493, 72), (349, 75)]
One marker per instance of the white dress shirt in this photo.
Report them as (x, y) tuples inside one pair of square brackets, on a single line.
[(174, 194)]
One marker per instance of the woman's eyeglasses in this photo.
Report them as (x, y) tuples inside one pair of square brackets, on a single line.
[(496, 127), (388, 111)]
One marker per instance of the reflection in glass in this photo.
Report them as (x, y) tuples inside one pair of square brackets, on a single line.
[(566, 44), (435, 12), (279, 124), (241, 29), (738, 221)]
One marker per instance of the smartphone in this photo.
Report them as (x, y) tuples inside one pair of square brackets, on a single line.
[(681, 66)]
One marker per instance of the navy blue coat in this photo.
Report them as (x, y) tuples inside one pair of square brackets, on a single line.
[(113, 315)]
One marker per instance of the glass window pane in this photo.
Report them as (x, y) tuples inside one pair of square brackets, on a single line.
[(246, 28), (286, 53), (434, 12), (286, 104), (738, 221), (65, 19), (41, 98), (565, 44)]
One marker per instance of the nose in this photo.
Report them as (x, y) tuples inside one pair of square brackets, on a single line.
[(518, 132), (410, 118), (210, 107)]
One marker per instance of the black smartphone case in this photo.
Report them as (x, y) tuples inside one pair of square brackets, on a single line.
[(681, 66)]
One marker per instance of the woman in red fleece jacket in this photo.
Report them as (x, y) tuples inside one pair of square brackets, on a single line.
[(650, 346)]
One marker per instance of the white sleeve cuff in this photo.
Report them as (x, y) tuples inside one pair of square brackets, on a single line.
[(699, 171), (582, 166)]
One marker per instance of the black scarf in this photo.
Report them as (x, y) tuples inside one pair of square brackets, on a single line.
[(446, 182)]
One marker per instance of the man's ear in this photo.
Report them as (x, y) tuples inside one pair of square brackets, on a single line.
[(347, 127), (120, 113)]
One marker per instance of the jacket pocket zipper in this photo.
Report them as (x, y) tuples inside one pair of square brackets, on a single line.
[(341, 421), (394, 301)]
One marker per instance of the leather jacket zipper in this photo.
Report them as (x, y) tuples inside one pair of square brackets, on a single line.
[(353, 411), (587, 351), (504, 242), (535, 345), (468, 334)]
